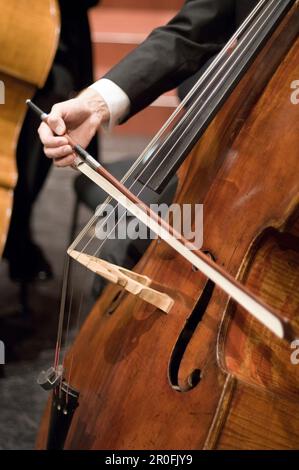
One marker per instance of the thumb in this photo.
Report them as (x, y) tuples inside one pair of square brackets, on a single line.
[(56, 122)]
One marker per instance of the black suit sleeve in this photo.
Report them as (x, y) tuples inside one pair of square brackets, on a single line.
[(175, 51)]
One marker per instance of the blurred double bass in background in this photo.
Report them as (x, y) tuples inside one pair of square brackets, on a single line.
[(206, 375), (29, 33)]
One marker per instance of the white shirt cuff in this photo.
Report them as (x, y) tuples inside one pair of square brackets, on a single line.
[(116, 99)]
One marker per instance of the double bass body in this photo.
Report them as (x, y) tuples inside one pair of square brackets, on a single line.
[(207, 375), (24, 24)]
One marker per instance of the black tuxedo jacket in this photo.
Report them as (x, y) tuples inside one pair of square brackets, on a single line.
[(179, 49), (74, 51)]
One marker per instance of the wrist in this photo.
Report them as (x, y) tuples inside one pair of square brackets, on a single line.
[(117, 101), (95, 104)]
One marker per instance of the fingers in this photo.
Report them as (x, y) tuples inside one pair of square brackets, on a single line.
[(55, 120), (65, 161), (58, 152), (48, 138), (81, 116), (56, 148)]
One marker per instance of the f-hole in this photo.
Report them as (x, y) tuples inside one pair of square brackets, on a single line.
[(115, 302), (184, 339)]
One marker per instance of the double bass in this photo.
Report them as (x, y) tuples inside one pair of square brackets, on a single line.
[(193, 349), (29, 32)]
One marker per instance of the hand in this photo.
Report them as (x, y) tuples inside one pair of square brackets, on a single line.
[(80, 118)]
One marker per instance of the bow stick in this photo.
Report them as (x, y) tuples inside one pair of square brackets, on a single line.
[(272, 320)]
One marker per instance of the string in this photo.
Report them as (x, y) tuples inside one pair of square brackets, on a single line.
[(236, 49), (77, 329), (180, 123), (184, 132), (180, 107), (61, 313)]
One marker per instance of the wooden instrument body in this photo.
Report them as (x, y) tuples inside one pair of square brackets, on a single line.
[(29, 31), (245, 171)]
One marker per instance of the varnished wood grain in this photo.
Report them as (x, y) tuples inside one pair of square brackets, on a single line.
[(28, 40), (6, 198), (260, 419), (120, 360)]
